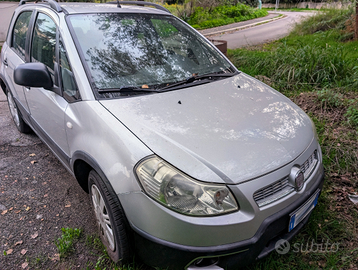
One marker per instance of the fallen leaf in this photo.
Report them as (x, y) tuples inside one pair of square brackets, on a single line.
[(33, 236), (45, 195), (17, 211), (18, 243), (9, 251), (4, 212), (27, 208), (56, 257), (11, 208), (23, 252), (24, 265), (33, 161), (68, 205), (32, 155)]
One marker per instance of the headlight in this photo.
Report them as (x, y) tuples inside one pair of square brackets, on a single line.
[(174, 189)]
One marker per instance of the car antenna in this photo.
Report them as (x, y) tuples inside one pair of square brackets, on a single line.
[(118, 5)]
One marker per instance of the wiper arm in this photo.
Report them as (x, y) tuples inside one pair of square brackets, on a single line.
[(127, 89), (194, 78)]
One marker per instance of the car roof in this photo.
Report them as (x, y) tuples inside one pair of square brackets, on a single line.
[(81, 7), (73, 8)]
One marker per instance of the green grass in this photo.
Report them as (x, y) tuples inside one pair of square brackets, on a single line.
[(223, 15), (203, 18), (94, 243), (312, 57), (65, 244)]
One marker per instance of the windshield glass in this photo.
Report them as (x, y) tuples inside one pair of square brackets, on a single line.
[(142, 50)]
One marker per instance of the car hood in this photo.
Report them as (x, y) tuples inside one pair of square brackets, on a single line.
[(226, 131)]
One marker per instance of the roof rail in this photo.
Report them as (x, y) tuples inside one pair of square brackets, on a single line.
[(53, 4), (138, 3)]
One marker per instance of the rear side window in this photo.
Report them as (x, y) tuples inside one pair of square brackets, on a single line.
[(44, 41), (19, 34)]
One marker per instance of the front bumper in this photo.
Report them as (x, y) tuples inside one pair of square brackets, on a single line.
[(157, 252)]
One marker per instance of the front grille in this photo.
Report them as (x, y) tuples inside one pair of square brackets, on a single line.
[(309, 165), (273, 192), (282, 187)]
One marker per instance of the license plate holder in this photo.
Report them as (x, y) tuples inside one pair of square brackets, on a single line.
[(299, 214)]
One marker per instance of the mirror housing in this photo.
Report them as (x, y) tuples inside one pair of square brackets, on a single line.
[(33, 75)]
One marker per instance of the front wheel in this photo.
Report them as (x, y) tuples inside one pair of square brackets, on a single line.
[(110, 218), (16, 116)]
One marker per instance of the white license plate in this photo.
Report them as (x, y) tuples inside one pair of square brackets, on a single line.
[(297, 216)]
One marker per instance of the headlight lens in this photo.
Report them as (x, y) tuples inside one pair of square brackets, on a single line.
[(174, 189)]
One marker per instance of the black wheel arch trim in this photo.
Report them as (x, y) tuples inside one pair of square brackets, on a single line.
[(80, 155), (82, 176), (5, 83)]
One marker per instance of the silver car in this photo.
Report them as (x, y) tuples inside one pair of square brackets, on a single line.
[(189, 163)]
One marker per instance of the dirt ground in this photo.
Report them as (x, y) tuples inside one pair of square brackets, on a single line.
[(38, 197)]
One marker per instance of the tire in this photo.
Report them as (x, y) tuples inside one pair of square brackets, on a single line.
[(16, 116), (111, 221)]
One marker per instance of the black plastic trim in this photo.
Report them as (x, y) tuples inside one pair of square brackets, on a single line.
[(89, 160), (5, 83), (50, 143), (23, 112)]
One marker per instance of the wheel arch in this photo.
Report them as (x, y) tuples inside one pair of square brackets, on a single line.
[(3, 85), (82, 163)]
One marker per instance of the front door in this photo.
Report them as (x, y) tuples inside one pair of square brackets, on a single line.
[(47, 108)]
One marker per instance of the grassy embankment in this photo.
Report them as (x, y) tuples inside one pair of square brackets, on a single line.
[(316, 66), (202, 18)]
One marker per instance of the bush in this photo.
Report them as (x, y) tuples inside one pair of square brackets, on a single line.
[(202, 18)]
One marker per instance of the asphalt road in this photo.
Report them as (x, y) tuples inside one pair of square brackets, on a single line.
[(264, 32)]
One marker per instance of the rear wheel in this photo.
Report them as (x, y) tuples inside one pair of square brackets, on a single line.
[(16, 116), (110, 218)]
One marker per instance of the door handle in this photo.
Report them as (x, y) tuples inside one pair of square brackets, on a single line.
[(5, 62)]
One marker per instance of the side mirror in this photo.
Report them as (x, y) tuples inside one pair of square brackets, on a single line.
[(33, 75)]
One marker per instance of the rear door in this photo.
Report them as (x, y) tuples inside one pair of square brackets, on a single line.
[(15, 55)]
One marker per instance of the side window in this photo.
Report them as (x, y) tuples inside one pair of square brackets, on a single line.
[(44, 42), (19, 34), (69, 86)]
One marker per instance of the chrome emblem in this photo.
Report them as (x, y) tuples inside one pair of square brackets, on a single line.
[(296, 178), (299, 180)]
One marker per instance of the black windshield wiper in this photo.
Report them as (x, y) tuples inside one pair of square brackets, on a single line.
[(192, 79), (128, 89)]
